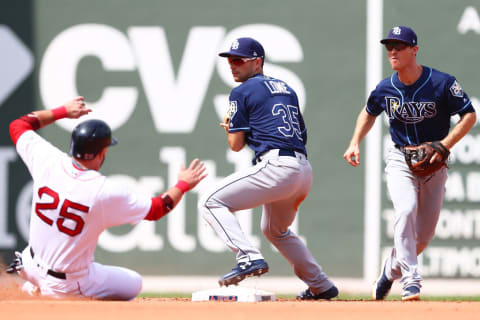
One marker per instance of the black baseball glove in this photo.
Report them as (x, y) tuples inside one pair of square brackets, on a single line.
[(418, 158)]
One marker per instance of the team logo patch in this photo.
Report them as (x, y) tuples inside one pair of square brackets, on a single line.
[(235, 45), (232, 109), (456, 90), (397, 30)]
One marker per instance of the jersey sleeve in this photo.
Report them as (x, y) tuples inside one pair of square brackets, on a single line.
[(121, 205), (374, 103), (238, 113), (36, 152), (458, 100)]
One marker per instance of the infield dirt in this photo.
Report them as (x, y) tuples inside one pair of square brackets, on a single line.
[(17, 305)]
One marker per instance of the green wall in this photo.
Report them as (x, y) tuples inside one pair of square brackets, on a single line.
[(160, 59)]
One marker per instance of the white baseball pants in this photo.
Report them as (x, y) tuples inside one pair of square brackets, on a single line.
[(99, 281)]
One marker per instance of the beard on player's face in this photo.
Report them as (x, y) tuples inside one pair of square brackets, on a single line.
[(244, 72)]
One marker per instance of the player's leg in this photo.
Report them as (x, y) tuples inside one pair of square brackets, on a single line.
[(239, 191), (432, 192), (110, 283), (403, 190), (247, 189), (276, 219)]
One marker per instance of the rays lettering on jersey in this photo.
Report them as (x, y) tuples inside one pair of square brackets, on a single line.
[(409, 112)]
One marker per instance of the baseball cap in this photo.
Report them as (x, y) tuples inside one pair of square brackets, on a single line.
[(245, 47), (401, 33)]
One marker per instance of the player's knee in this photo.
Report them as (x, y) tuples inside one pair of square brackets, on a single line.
[(272, 234), (406, 211), (135, 286), (202, 206), (205, 205)]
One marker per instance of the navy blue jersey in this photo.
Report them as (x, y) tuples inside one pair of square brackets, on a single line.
[(267, 110), (420, 112)]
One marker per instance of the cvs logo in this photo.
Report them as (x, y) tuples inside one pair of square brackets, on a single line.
[(175, 98)]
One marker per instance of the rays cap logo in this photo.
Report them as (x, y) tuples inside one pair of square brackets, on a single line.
[(246, 48), (403, 34), (235, 45)]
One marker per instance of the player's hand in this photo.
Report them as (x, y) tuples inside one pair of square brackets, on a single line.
[(76, 108), (193, 174), (352, 155), (225, 124)]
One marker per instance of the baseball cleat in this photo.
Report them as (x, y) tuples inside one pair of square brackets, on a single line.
[(381, 287), (326, 295), (411, 293), (16, 265), (244, 270)]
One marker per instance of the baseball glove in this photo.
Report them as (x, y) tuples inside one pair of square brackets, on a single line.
[(418, 158)]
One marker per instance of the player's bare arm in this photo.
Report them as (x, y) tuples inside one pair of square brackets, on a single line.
[(364, 123), (461, 128), (236, 140), (72, 109)]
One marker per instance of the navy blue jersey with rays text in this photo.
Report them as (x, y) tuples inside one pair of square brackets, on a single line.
[(419, 112), (267, 110)]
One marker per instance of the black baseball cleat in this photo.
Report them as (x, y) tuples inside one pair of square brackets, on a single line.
[(16, 265), (381, 287), (244, 270), (326, 295)]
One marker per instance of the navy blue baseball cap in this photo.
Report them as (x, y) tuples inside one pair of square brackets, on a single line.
[(245, 47), (401, 33)]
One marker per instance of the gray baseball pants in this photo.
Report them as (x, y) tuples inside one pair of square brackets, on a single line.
[(279, 184), (417, 202)]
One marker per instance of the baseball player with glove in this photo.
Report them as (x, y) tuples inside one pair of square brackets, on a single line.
[(419, 102), (73, 204), (264, 114)]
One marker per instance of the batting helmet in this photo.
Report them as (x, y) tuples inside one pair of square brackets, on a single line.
[(89, 138)]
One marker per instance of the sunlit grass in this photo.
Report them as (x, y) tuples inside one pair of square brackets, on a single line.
[(348, 297)]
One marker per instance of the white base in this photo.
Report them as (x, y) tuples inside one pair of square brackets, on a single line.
[(234, 294)]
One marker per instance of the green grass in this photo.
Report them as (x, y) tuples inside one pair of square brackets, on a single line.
[(341, 297)]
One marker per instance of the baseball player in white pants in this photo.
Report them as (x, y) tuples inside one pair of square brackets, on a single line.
[(73, 204)]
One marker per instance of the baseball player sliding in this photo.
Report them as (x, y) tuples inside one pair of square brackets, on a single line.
[(419, 102), (73, 204), (264, 114)]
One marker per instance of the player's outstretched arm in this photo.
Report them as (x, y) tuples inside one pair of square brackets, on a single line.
[(38, 119), (364, 123), (72, 109)]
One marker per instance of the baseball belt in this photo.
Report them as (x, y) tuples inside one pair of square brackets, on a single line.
[(53, 273)]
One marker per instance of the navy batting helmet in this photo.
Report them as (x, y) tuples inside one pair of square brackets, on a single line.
[(89, 138)]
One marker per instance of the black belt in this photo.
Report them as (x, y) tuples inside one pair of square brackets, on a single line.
[(288, 153), (58, 275), (399, 147), (281, 152)]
